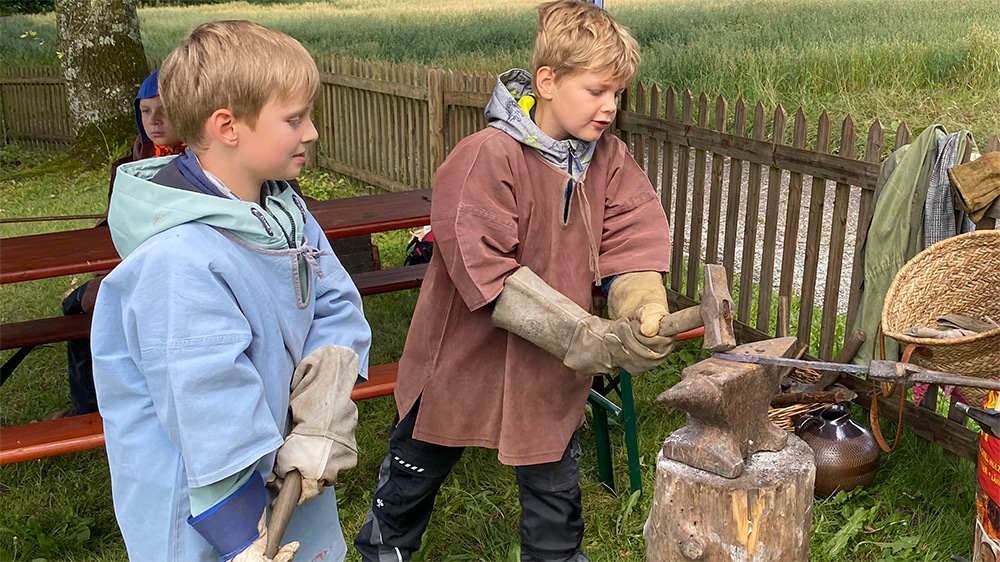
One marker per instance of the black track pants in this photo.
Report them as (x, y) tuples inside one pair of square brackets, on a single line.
[(412, 474)]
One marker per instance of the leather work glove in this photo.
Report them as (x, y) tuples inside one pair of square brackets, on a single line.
[(638, 353), (641, 298), (529, 307), (255, 552), (321, 442)]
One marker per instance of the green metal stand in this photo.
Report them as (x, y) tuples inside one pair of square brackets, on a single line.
[(620, 384)]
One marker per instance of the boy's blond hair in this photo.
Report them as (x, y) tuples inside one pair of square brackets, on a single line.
[(233, 64), (574, 36)]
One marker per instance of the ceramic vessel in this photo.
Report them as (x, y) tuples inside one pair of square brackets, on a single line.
[(847, 455)]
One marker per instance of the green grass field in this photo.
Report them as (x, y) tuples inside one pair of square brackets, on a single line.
[(913, 61), (900, 60)]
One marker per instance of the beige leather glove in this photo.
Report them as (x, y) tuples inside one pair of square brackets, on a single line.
[(321, 443), (255, 552), (641, 298), (532, 309)]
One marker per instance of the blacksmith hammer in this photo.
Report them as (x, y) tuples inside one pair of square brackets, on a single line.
[(715, 313)]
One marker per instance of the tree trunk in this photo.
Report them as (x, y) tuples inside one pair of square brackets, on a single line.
[(103, 59), (764, 515)]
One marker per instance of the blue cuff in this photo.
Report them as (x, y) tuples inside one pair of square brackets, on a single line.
[(230, 526), (606, 283)]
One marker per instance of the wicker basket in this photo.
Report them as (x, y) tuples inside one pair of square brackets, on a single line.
[(960, 275)]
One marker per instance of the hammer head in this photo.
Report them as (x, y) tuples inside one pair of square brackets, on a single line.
[(717, 310)]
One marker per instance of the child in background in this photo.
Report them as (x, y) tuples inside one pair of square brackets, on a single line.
[(528, 216), (156, 138), (228, 340)]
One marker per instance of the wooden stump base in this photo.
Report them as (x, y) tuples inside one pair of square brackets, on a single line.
[(764, 515)]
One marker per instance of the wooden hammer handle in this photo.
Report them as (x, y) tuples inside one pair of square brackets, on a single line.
[(681, 321), (285, 503)]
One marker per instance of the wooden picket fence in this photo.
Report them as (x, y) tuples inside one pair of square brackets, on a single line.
[(33, 106), (782, 205), (391, 125)]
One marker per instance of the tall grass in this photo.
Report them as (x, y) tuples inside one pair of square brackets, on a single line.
[(913, 61)]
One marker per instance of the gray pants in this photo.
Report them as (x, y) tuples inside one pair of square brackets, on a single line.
[(551, 525)]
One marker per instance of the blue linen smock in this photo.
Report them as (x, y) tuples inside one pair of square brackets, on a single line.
[(195, 338)]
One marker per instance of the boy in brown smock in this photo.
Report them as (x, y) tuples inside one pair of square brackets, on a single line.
[(528, 216)]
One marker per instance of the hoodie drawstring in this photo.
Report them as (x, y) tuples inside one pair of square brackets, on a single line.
[(577, 186), (589, 227), (311, 254)]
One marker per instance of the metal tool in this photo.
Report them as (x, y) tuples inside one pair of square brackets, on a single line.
[(715, 313), (879, 370), (989, 420)]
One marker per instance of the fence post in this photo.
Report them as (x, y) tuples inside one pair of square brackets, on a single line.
[(435, 116)]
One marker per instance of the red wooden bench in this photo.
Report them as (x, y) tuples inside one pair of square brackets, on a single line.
[(49, 438), (26, 335), (70, 252), (67, 435), (55, 437), (41, 256), (81, 251)]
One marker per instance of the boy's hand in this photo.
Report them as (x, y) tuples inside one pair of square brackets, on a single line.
[(639, 296), (255, 552), (532, 309), (321, 443), (635, 352), (600, 345)]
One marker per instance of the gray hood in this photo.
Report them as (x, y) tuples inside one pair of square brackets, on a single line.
[(503, 112)]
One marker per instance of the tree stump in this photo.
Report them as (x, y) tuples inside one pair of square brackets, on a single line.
[(764, 515)]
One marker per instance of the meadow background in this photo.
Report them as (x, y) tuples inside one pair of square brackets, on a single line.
[(913, 61)]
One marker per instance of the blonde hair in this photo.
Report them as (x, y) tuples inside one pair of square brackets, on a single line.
[(233, 64), (575, 36)]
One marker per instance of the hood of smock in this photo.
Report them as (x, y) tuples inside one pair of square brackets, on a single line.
[(509, 110), (141, 208), (150, 89)]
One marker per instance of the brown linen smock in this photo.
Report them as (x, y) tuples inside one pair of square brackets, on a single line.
[(497, 205)]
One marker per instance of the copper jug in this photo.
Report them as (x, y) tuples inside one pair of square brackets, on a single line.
[(847, 455)]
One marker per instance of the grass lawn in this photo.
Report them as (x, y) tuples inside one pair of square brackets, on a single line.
[(920, 506), (913, 61)]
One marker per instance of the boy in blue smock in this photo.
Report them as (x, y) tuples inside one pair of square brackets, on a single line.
[(227, 341)]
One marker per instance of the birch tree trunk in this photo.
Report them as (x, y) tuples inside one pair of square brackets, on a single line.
[(103, 60)]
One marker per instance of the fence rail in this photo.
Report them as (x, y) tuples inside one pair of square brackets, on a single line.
[(782, 205)]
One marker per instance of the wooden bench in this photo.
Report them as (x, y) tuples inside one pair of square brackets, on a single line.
[(38, 440), (26, 335), (49, 438), (56, 437), (40, 256), (71, 252)]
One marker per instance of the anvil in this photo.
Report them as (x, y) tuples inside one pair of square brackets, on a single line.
[(727, 404)]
